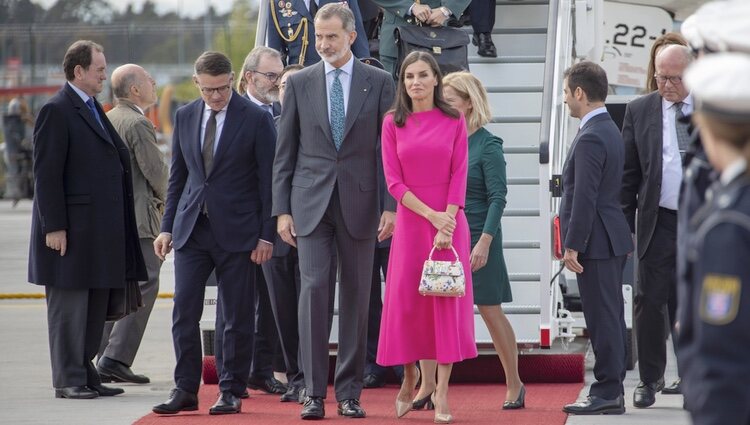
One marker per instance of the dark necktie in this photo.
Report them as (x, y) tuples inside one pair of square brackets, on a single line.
[(313, 7), (683, 135), (209, 138), (92, 108), (268, 108)]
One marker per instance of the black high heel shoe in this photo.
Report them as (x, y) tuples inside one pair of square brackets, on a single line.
[(519, 403), (423, 403)]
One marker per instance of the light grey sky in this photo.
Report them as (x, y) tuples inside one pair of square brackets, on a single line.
[(189, 8)]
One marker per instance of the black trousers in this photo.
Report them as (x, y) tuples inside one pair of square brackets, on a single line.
[(376, 310), (656, 297), (600, 286), (235, 276), (482, 15)]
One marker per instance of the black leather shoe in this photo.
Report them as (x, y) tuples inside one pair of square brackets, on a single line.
[(245, 394), (113, 371), (105, 391), (351, 409), (179, 401), (269, 385), (674, 389), (291, 394), (594, 405), (227, 403), (645, 394), (78, 393), (313, 408), (373, 380), (486, 45)]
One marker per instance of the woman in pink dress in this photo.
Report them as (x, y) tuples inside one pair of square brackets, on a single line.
[(425, 157)]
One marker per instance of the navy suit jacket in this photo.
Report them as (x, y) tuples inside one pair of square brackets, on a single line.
[(237, 191), (592, 221)]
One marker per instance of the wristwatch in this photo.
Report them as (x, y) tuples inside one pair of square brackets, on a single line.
[(446, 11)]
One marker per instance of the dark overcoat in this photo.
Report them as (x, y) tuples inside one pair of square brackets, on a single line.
[(83, 185)]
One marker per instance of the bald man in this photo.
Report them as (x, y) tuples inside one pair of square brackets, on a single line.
[(135, 92)]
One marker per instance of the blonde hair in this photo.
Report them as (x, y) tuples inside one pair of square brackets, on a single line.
[(470, 88)]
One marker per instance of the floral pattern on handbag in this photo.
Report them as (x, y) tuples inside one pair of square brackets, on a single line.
[(443, 278)]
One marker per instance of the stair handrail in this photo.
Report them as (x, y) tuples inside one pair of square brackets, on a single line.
[(554, 134)]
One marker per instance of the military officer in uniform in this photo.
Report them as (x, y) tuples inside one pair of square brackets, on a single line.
[(714, 338), (291, 30)]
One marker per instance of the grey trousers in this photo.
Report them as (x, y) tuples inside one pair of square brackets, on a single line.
[(121, 339)]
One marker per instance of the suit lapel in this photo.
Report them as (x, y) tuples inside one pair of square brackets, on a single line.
[(317, 94), (655, 137), (88, 117), (234, 116), (358, 91), (194, 121)]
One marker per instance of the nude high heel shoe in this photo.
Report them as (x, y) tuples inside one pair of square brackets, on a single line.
[(404, 406), (441, 418)]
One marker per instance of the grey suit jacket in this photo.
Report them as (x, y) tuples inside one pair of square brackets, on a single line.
[(150, 171), (641, 180), (307, 166)]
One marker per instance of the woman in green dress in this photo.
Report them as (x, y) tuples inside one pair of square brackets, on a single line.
[(485, 201)]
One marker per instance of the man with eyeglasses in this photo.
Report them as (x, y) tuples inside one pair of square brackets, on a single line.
[(217, 217), (656, 137)]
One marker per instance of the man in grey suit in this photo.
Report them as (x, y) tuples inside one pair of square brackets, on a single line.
[(135, 91), (324, 192), (656, 136)]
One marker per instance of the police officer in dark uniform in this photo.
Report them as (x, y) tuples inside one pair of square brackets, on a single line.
[(291, 30), (714, 337)]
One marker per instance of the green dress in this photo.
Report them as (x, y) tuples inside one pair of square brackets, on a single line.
[(485, 201)]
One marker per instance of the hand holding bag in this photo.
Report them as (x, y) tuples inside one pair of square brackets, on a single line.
[(443, 278), (447, 45)]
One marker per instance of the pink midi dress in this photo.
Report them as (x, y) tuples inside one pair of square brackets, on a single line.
[(428, 157)]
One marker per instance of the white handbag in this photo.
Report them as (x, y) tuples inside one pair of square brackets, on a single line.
[(443, 278)]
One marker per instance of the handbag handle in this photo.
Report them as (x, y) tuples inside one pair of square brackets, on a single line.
[(452, 249)]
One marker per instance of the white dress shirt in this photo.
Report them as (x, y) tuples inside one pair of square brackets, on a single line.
[(671, 166), (598, 111), (346, 82), (220, 117)]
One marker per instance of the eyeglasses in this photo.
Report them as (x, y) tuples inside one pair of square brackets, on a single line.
[(272, 76), (209, 91), (661, 79)]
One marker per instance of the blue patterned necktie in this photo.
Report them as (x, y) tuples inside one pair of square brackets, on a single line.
[(337, 110), (90, 104)]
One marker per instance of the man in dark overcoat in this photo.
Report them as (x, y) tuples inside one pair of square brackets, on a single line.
[(84, 240)]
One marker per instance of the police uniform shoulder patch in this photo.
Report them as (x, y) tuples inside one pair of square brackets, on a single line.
[(720, 299)]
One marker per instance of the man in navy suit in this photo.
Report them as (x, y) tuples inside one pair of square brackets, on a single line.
[(84, 238), (218, 216), (595, 233)]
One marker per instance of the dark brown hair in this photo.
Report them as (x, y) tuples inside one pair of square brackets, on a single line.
[(664, 40), (79, 53), (402, 106), (291, 68), (590, 77), (213, 64)]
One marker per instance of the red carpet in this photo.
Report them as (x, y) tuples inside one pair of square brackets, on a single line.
[(470, 404)]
